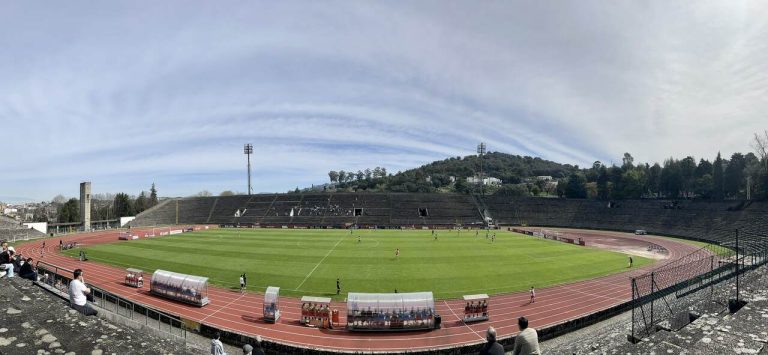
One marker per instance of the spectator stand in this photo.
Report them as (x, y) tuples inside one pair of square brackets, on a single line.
[(476, 308), (316, 312), (272, 304), (134, 277), (391, 311), (180, 287)]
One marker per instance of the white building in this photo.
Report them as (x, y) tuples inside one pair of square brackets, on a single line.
[(486, 181)]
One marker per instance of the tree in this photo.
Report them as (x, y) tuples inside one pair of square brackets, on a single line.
[(123, 206), (368, 174), (602, 183), (671, 178), (59, 200), (717, 178), (377, 173), (704, 186), (654, 179), (360, 175), (575, 186), (733, 177), (634, 181), (152, 196), (69, 211), (342, 176), (141, 203), (461, 186), (204, 193), (626, 162), (760, 145), (704, 168), (227, 193), (687, 174), (334, 176), (513, 190)]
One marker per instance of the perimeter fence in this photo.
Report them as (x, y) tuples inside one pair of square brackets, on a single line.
[(707, 279)]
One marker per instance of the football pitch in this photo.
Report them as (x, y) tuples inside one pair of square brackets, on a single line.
[(307, 262)]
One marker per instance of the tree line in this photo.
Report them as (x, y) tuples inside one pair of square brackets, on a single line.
[(722, 178), (106, 206), (676, 178)]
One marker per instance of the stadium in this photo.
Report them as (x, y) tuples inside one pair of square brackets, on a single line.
[(380, 177), (699, 270)]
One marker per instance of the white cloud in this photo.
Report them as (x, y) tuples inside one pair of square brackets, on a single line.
[(129, 93)]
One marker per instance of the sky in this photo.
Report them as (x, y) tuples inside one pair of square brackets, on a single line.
[(124, 94)]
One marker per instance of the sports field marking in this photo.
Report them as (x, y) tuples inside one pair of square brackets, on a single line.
[(225, 307), (462, 320), (318, 264)]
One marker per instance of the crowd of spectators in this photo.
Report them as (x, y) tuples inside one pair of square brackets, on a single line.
[(12, 264)]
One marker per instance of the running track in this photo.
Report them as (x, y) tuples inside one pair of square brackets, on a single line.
[(231, 311)]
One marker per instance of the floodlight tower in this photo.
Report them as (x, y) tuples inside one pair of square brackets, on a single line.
[(248, 150), (481, 153)]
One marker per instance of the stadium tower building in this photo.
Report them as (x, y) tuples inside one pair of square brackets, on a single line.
[(85, 205)]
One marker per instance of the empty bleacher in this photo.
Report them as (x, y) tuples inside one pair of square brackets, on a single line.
[(708, 220), (317, 209)]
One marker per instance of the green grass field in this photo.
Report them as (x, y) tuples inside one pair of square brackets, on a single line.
[(307, 262)]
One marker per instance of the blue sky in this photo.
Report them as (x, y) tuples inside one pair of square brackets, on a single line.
[(124, 94)]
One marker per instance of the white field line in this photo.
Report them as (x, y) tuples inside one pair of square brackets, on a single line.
[(318, 264), (462, 320)]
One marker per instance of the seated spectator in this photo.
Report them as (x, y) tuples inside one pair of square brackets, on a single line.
[(27, 270), (77, 294), (527, 341), (492, 347), (7, 260)]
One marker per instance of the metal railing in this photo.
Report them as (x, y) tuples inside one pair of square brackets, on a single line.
[(58, 278)]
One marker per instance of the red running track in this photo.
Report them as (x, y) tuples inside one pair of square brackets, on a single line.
[(241, 313)]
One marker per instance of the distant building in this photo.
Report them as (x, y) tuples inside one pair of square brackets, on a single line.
[(486, 181), (544, 178)]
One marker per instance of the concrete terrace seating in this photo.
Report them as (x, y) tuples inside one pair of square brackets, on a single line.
[(11, 229), (224, 209), (708, 220), (164, 213), (317, 209), (194, 209)]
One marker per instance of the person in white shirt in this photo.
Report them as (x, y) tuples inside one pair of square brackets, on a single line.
[(217, 348), (77, 295), (527, 341)]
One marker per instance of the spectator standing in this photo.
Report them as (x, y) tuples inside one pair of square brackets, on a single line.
[(491, 347), (77, 294), (217, 348), (527, 341), (259, 350)]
